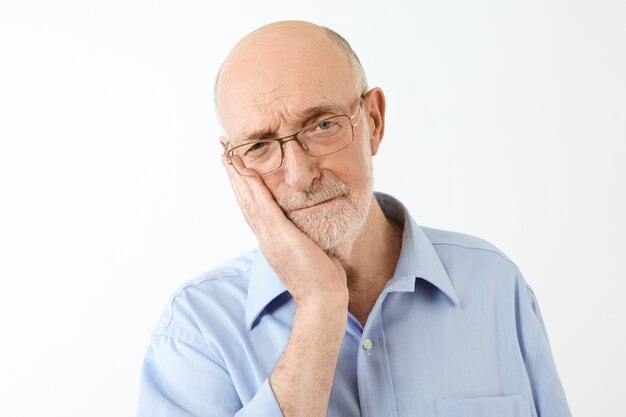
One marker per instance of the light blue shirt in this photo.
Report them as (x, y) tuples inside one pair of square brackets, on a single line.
[(455, 332)]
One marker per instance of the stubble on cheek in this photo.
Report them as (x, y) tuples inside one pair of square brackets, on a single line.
[(333, 226)]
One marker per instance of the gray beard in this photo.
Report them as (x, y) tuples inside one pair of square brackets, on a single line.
[(334, 229)]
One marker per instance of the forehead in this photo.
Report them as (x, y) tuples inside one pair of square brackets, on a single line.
[(254, 109), (271, 82)]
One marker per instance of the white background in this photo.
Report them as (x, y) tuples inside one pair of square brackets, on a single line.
[(506, 119)]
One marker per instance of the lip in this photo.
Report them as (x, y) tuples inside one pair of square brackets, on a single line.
[(318, 204)]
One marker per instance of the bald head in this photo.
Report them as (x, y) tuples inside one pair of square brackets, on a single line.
[(285, 55)]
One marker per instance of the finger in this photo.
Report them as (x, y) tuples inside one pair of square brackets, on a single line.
[(236, 182), (248, 184), (254, 198), (260, 191), (241, 188), (237, 163)]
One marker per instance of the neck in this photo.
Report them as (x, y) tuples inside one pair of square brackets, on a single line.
[(372, 260)]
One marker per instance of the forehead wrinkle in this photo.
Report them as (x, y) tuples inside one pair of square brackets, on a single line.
[(262, 124), (298, 117), (318, 110), (265, 126)]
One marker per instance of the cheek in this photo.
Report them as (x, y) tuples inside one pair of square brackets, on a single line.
[(274, 184), (356, 170)]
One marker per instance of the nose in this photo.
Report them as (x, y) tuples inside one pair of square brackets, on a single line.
[(300, 169)]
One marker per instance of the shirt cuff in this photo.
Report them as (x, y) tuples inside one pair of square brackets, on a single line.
[(263, 404)]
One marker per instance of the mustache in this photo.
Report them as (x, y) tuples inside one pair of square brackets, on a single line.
[(320, 191)]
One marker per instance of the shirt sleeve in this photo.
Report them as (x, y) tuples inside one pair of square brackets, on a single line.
[(180, 379), (548, 394)]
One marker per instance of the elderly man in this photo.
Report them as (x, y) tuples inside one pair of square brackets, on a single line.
[(348, 307)]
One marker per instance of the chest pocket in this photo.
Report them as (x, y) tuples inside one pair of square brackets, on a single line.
[(509, 406)]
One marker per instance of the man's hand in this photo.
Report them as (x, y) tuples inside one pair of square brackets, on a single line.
[(308, 273), (303, 376)]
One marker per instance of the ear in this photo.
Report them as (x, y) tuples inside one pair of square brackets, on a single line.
[(223, 142), (375, 113)]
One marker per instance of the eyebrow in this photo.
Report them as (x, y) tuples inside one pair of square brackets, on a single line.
[(305, 115)]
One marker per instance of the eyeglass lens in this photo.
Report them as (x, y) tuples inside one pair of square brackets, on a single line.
[(323, 138)]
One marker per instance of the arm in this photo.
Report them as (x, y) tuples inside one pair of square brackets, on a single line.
[(548, 393), (180, 378), (303, 376)]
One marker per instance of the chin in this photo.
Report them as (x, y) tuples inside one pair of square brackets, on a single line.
[(335, 229), (335, 225)]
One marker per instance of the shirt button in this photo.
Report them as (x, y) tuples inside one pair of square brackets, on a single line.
[(367, 344)]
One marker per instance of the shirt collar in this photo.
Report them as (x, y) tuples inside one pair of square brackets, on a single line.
[(418, 260), (263, 288)]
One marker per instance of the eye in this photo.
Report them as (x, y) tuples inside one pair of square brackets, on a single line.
[(325, 125), (254, 147)]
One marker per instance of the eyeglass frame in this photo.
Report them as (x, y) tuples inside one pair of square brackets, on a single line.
[(294, 136)]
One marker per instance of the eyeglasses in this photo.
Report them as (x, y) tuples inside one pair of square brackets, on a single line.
[(324, 137)]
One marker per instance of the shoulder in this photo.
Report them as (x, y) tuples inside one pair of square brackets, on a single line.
[(473, 260), (483, 276), (211, 296), (464, 244)]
